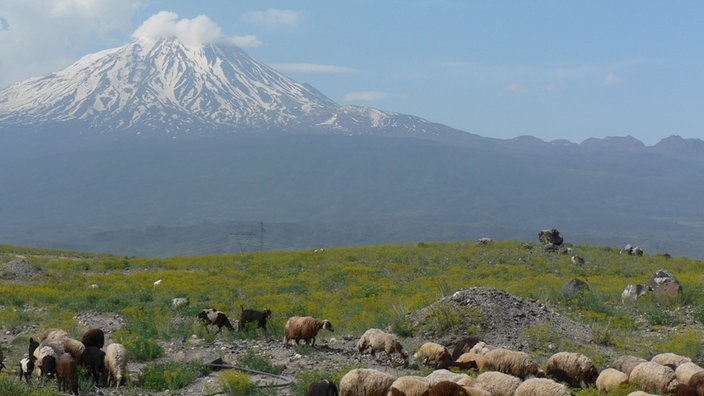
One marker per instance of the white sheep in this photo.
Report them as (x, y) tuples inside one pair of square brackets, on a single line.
[(685, 371), (304, 328), (474, 387), (573, 368), (116, 364), (377, 340), (433, 352), (409, 386), (653, 376), (53, 334), (42, 353), (444, 375), (516, 363), (365, 382), (626, 363), (499, 384), (541, 387), (610, 379), (669, 358), (481, 348)]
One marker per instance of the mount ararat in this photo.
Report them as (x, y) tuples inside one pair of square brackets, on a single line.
[(163, 148)]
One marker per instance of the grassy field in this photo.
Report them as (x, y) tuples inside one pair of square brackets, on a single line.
[(354, 287)]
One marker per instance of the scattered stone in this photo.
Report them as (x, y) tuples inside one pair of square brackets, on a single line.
[(550, 236), (632, 292), (575, 285)]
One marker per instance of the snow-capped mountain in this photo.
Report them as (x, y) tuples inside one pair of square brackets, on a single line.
[(166, 86)]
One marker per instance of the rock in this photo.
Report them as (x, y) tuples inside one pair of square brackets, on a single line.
[(575, 285), (668, 292), (550, 236), (631, 293), (661, 277)]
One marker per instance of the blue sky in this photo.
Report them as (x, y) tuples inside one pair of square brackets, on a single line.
[(550, 69)]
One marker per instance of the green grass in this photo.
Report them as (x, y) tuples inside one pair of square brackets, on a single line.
[(354, 287)]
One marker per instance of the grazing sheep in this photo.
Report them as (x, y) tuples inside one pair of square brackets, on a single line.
[(499, 384), (474, 387), (541, 387), (433, 352), (466, 366), (74, 347), (304, 328), (444, 375), (626, 363), (685, 371), (365, 382), (93, 358), (610, 379), (651, 376), (32, 347), (684, 390), (377, 340), (53, 334), (640, 393), (511, 362), (448, 388), (67, 374), (94, 338), (464, 345), (210, 316), (696, 382), (481, 348), (253, 316), (322, 388), (26, 368), (45, 361), (669, 358), (116, 364), (468, 357), (574, 368), (409, 386)]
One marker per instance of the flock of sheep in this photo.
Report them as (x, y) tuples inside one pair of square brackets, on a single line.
[(504, 372), (57, 356)]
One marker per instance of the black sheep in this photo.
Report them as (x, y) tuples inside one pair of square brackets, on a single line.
[(94, 359), (210, 316), (253, 316), (464, 345), (49, 367), (322, 388), (93, 337)]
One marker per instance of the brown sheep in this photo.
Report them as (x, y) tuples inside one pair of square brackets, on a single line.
[(432, 352), (304, 328), (377, 340), (447, 388), (516, 363), (93, 337), (574, 368), (365, 382), (67, 374), (463, 346)]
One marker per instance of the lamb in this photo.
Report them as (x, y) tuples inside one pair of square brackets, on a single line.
[(365, 382), (94, 338), (94, 359), (650, 376), (448, 388), (377, 340), (304, 328), (541, 387), (499, 384), (253, 316), (322, 388), (626, 363), (67, 374), (433, 352), (464, 345), (116, 364), (409, 386), (481, 348), (26, 368), (610, 379), (210, 316), (574, 368), (516, 363), (685, 371), (45, 361)]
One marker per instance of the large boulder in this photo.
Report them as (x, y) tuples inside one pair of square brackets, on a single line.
[(575, 285), (631, 293), (550, 237), (661, 277)]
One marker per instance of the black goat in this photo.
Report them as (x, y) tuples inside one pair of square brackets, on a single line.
[(253, 316), (94, 359), (210, 316)]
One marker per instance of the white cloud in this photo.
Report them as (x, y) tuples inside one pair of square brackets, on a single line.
[(273, 17), (312, 68), (40, 36), (612, 79), (515, 88), (365, 96), (196, 31)]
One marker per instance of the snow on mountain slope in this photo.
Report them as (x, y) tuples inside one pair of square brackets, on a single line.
[(166, 86)]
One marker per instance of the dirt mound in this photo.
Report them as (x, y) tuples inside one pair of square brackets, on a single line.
[(497, 317), (18, 270)]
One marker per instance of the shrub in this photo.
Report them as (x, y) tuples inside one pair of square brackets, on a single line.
[(170, 375), (236, 383), (254, 361)]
